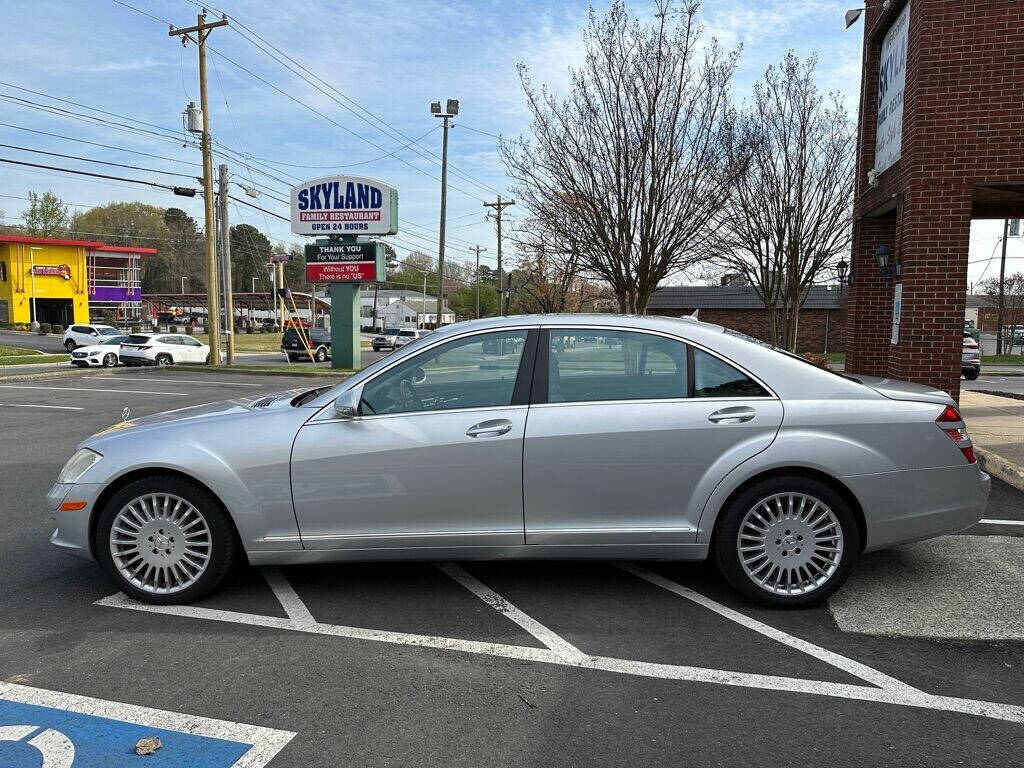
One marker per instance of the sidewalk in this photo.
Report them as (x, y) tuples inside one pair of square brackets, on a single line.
[(996, 427)]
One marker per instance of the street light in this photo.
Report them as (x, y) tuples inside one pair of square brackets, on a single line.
[(32, 272), (841, 270)]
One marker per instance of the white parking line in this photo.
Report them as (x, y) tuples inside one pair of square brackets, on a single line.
[(555, 642), (903, 696), (90, 389), (192, 381), (847, 665), (266, 742), (285, 593), (33, 405), (1001, 522)]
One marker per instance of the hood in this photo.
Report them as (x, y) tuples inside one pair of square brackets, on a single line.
[(253, 403), (897, 389)]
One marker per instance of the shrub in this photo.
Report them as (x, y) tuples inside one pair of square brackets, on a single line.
[(819, 360), (189, 330), (172, 329), (44, 328), (58, 329), (249, 328), (135, 329)]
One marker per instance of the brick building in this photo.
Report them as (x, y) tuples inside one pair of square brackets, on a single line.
[(822, 319), (940, 142)]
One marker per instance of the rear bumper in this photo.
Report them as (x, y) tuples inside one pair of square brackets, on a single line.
[(900, 507), (136, 360), (970, 365)]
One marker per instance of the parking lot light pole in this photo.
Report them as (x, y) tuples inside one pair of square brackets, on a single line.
[(32, 274)]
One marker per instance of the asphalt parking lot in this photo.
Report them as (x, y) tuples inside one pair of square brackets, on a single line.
[(470, 664)]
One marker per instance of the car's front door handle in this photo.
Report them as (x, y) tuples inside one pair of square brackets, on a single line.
[(487, 428), (736, 414)]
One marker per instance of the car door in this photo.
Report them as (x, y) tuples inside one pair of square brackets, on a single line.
[(434, 458), (192, 349), (629, 432)]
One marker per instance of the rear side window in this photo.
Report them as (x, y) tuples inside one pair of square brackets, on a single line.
[(588, 366), (713, 377)]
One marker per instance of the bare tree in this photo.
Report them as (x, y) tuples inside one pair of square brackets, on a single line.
[(629, 169), (788, 217), (548, 276), (1013, 307)]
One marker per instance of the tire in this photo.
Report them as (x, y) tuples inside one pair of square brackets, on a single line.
[(293, 358), (164, 359), (971, 375), (320, 355), (784, 534), (376, 349), (109, 360), (201, 517), (70, 345)]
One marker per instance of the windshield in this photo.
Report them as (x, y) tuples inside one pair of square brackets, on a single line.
[(390, 332), (789, 354), (109, 331), (137, 339), (407, 333)]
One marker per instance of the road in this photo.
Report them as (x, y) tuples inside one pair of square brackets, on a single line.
[(996, 383), (405, 664)]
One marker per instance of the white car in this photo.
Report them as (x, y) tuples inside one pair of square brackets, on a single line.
[(105, 354), (408, 336), (386, 338), (85, 335), (162, 349)]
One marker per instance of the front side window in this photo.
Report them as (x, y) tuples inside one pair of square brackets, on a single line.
[(592, 365), (473, 372), (168, 340), (716, 378)]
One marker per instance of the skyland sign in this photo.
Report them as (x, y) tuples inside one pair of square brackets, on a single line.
[(344, 205)]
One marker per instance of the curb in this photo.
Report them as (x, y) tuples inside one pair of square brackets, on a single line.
[(997, 466), (60, 373)]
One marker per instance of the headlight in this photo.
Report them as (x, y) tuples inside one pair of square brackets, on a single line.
[(78, 465)]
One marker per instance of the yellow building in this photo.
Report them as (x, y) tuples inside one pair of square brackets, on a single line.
[(58, 281)]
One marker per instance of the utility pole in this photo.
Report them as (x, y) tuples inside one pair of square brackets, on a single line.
[(478, 250), (452, 109), (498, 207), (202, 31), (1002, 280), (225, 261)]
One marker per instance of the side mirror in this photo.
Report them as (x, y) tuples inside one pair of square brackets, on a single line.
[(346, 406)]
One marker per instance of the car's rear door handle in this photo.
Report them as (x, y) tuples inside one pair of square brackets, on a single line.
[(736, 414), (488, 428)]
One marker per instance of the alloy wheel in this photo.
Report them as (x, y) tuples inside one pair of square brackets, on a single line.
[(110, 360), (790, 543), (160, 543)]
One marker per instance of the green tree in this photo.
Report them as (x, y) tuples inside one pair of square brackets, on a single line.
[(185, 249), (250, 253), (295, 270), (46, 215), (463, 301), (133, 224)]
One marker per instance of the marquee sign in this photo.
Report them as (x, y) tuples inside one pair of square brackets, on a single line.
[(344, 262), (344, 205), (61, 270), (892, 79)]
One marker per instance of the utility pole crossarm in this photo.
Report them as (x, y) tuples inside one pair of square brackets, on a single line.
[(202, 26), (498, 207)]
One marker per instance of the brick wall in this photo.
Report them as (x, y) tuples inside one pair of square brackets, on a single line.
[(754, 322), (962, 132)]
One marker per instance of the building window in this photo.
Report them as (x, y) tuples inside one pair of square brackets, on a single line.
[(3, 272)]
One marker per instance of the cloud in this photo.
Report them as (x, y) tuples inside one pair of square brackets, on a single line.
[(114, 65)]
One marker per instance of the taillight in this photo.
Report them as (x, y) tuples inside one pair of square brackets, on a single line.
[(145, 347), (958, 435)]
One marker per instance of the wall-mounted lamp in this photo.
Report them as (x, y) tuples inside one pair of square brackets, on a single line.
[(888, 267), (852, 15), (842, 270)]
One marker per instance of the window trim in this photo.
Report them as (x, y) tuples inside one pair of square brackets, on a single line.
[(519, 388), (540, 379)]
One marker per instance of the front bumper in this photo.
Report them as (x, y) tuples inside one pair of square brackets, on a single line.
[(911, 505), (72, 532)]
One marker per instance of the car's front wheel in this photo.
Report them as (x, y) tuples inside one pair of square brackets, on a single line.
[(109, 360), (165, 540), (787, 542), (70, 345), (320, 355)]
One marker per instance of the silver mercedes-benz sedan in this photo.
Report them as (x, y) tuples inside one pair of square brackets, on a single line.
[(561, 436)]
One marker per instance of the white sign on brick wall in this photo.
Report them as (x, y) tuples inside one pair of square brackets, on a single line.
[(892, 79)]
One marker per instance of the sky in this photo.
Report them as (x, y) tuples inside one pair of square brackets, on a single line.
[(385, 61)]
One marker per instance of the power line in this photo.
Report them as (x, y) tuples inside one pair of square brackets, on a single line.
[(100, 162), (88, 173), (98, 144)]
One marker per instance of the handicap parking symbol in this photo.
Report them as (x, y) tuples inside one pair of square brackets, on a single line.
[(48, 729)]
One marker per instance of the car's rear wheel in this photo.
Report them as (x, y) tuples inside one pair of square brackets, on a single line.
[(109, 360), (164, 360), (165, 540), (70, 345), (787, 542), (971, 375)]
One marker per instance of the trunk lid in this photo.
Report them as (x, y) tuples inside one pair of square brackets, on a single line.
[(897, 389)]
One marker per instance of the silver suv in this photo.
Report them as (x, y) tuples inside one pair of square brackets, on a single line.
[(970, 360), (385, 338)]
